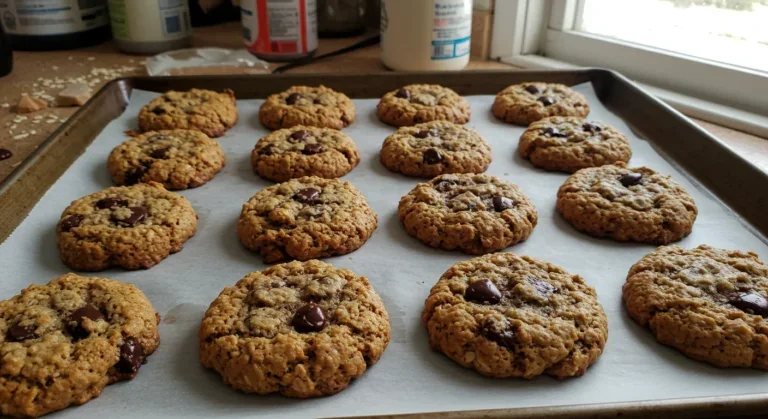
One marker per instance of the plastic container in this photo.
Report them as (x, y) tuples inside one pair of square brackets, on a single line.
[(425, 35), (280, 30), (44, 25), (150, 26)]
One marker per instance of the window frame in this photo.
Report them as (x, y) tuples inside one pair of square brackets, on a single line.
[(525, 28)]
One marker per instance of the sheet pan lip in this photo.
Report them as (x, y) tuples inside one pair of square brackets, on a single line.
[(749, 403), (41, 149), (678, 115), (754, 403)]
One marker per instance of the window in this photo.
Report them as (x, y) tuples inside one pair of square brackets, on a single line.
[(727, 31), (715, 50)]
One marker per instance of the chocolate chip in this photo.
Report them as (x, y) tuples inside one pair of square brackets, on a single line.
[(532, 89), (160, 153), (505, 338), (158, 111), (20, 333), (310, 149), (75, 323), (71, 221), (432, 156), (590, 127), (5, 154), (292, 98), (134, 175), (316, 101), (109, 203), (267, 151), (299, 135), (426, 133), (542, 287), (501, 203), (307, 195), (130, 357), (445, 185), (554, 132), (403, 94), (138, 214), (309, 318), (546, 100), (750, 302), (483, 291), (630, 179)]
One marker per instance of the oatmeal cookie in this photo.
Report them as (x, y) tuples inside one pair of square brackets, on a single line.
[(435, 148), (301, 329)]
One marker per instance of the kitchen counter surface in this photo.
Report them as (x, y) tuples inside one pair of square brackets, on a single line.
[(43, 74)]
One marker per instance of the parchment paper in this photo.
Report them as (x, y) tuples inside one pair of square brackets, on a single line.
[(409, 377)]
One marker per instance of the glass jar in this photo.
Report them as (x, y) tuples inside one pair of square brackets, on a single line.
[(337, 18)]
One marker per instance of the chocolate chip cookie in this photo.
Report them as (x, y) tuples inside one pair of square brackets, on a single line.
[(178, 159), (434, 148), (627, 204), (569, 143), (505, 315), (133, 227), (304, 151), (301, 329), (417, 103), (63, 342), (525, 103), (473, 213), (708, 303), (310, 106), (202, 110), (306, 218)]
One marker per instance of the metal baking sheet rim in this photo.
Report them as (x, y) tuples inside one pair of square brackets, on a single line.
[(111, 100)]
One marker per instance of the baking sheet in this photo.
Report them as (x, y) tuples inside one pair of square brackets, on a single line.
[(409, 377)]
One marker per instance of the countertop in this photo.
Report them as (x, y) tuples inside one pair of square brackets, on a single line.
[(45, 73)]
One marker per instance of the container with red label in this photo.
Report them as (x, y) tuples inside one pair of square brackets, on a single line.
[(280, 30)]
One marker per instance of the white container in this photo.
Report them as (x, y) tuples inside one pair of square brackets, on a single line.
[(150, 26), (425, 35)]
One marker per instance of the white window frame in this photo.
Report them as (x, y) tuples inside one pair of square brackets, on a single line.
[(540, 34)]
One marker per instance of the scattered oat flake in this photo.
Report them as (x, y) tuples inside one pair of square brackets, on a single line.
[(21, 136), (5, 105), (91, 58), (33, 132), (54, 67)]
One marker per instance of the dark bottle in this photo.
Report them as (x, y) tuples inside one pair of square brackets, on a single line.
[(45, 25), (224, 11), (6, 54)]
